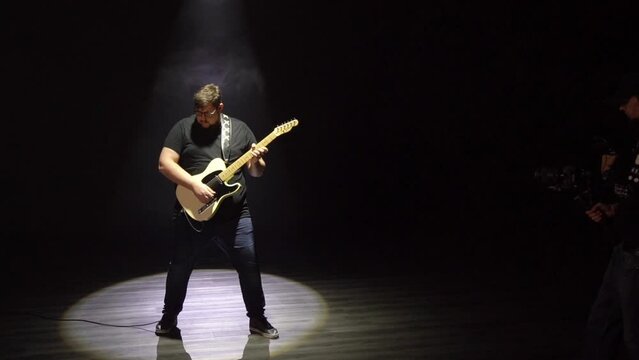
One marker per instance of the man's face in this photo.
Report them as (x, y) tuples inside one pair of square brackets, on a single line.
[(208, 115), (631, 108)]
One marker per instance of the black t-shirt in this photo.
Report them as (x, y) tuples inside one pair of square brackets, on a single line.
[(197, 146), (626, 191)]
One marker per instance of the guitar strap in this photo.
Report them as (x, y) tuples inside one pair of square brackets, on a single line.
[(226, 138)]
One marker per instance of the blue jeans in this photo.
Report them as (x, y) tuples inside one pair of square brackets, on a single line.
[(234, 238), (615, 313)]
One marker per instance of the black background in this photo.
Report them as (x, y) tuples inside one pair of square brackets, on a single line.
[(420, 130)]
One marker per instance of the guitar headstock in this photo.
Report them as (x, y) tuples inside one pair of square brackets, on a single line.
[(286, 127)]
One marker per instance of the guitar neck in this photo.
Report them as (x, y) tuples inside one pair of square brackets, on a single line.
[(228, 173)]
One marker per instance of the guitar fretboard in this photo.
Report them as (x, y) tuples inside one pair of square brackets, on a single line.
[(227, 174)]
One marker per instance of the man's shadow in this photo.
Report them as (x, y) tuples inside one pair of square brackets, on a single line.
[(257, 348), (171, 347)]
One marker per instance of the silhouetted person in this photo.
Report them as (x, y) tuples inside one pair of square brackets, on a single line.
[(614, 316)]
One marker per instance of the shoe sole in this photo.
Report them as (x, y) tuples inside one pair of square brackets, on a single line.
[(162, 332), (266, 335)]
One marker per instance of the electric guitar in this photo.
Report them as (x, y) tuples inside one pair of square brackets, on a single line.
[(216, 176)]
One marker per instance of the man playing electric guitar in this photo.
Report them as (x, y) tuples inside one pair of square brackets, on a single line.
[(190, 146)]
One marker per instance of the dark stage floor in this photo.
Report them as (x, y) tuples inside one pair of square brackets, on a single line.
[(440, 314)]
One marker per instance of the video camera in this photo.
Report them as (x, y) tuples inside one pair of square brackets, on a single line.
[(579, 182), (569, 179)]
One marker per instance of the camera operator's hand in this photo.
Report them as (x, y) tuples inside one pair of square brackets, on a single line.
[(601, 211)]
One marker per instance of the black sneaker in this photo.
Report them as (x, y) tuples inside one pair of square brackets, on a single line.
[(165, 325), (261, 326)]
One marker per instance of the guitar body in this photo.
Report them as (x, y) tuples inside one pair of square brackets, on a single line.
[(216, 176), (200, 211)]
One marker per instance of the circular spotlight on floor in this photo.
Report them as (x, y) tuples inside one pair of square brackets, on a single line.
[(212, 326)]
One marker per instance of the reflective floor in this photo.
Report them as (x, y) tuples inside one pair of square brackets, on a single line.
[(320, 316)]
